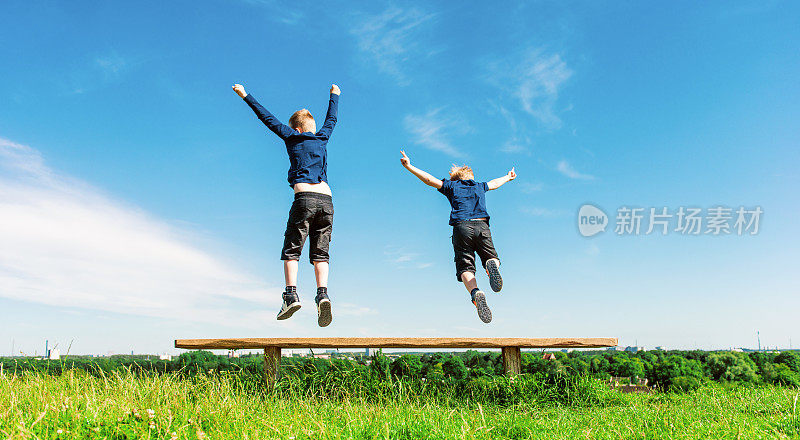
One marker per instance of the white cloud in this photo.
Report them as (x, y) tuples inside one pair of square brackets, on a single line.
[(566, 169), (97, 72), (540, 212), (112, 64), (279, 12), (519, 141), (433, 130), (513, 147), (389, 39), (66, 243), (541, 78), (528, 187), (349, 309), (403, 259), (534, 82)]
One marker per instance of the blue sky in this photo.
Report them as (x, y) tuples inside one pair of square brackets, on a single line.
[(142, 201)]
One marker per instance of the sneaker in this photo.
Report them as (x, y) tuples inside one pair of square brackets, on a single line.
[(479, 300), (493, 270), (289, 305), (324, 314)]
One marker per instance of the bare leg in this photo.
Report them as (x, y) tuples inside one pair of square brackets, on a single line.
[(321, 272), (324, 313), (468, 278), (290, 272)]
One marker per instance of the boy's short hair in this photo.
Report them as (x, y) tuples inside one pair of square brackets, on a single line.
[(301, 119), (461, 173)]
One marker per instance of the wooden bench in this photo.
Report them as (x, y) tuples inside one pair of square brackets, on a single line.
[(510, 347)]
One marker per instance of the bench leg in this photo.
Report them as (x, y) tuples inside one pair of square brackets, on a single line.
[(272, 365), (512, 361)]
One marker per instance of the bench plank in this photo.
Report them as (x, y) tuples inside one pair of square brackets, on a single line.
[(255, 343)]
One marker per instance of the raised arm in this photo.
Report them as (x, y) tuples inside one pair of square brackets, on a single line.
[(265, 116), (333, 108), (426, 178), (500, 181)]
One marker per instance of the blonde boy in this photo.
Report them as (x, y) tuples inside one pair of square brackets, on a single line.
[(311, 214), (470, 223)]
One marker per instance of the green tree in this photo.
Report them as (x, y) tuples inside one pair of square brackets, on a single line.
[(454, 367), (599, 366), (407, 366), (731, 367), (575, 365), (535, 364), (673, 366), (435, 372), (624, 365), (761, 358), (789, 358), (684, 383), (780, 374), (379, 365)]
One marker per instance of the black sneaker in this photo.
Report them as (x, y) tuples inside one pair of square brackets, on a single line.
[(493, 270), (289, 305), (479, 300), (324, 313)]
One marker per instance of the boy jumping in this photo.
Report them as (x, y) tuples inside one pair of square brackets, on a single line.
[(470, 223), (312, 209)]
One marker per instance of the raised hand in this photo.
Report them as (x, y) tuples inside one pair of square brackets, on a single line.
[(404, 160), (511, 174), (239, 89), (335, 89)]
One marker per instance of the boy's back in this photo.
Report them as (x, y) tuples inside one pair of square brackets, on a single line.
[(467, 199), (308, 155)]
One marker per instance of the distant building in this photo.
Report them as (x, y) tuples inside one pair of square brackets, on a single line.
[(53, 354), (612, 349), (367, 352), (232, 354), (660, 348), (165, 357), (634, 348), (627, 385)]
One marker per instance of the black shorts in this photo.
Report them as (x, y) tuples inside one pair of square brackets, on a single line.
[(472, 236), (311, 215)]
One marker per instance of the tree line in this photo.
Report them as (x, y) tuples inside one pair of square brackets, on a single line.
[(667, 370)]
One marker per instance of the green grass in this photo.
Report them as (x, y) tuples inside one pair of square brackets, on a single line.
[(123, 405)]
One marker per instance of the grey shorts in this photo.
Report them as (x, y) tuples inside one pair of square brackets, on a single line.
[(311, 216)]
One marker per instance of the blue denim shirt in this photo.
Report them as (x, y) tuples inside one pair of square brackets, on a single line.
[(467, 199), (308, 153)]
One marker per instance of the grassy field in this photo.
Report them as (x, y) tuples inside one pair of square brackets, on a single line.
[(123, 405)]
